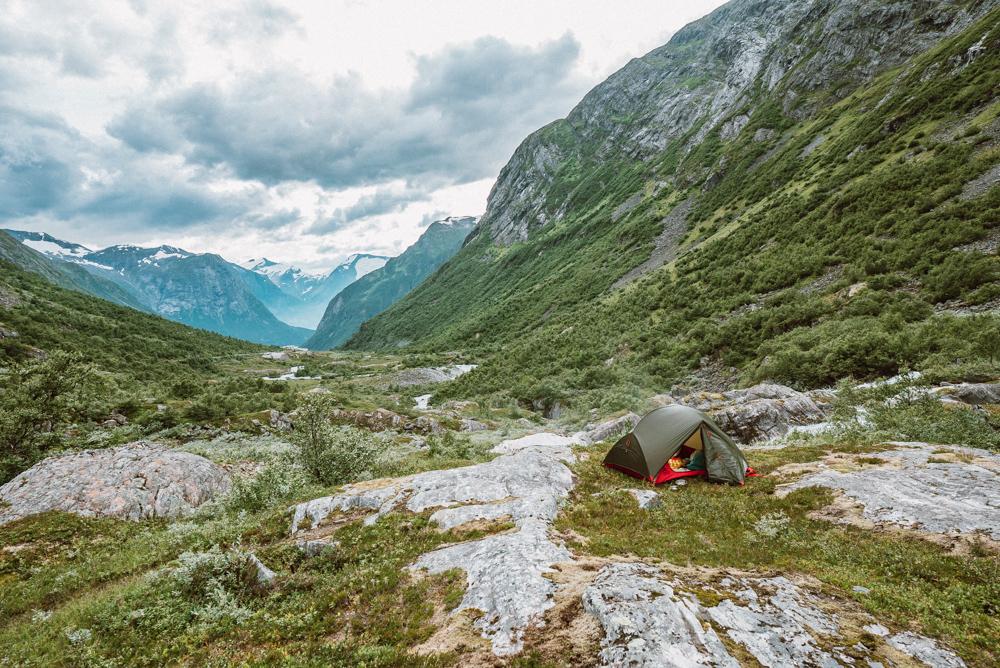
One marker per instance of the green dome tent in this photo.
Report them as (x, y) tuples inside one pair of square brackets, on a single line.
[(678, 431)]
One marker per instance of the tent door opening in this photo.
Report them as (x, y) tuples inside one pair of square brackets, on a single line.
[(687, 461)]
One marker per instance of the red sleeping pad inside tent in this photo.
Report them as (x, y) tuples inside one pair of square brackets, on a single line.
[(667, 474)]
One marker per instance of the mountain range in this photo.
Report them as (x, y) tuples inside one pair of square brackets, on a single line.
[(304, 296), (259, 300)]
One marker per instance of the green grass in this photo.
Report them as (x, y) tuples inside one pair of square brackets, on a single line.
[(134, 346)]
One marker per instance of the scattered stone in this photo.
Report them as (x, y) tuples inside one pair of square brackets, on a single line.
[(262, 573), (275, 356), (430, 375), (813, 145), (426, 425), (279, 421), (734, 126), (422, 402), (857, 589), (646, 498), (611, 428), (980, 185), (472, 425), (665, 246), (161, 408), (135, 481), (764, 134), (313, 548), (921, 487), (382, 419)]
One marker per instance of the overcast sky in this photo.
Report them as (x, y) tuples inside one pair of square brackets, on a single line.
[(300, 131)]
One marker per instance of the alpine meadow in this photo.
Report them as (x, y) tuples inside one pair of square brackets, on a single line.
[(362, 334)]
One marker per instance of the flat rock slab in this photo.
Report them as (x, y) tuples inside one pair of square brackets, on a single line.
[(653, 618), (133, 482), (505, 572), (936, 489)]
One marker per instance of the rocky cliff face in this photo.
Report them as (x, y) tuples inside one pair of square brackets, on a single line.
[(713, 74)]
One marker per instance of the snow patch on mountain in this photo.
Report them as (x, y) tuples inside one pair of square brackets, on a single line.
[(366, 264)]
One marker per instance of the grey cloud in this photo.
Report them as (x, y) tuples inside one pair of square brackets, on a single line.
[(43, 170), (382, 201), (272, 220), (253, 20), (460, 120), (35, 172)]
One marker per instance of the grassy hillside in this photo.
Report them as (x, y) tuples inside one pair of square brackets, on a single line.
[(119, 340), (857, 241)]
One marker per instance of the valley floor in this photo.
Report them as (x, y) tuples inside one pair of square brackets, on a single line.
[(497, 538)]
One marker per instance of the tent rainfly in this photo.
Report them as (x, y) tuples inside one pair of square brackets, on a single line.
[(677, 431)]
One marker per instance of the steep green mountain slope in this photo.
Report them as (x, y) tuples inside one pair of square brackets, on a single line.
[(378, 290), (63, 274), (37, 315), (790, 190)]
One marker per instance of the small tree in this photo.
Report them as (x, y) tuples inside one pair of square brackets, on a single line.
[(37, 399), (333, 455)]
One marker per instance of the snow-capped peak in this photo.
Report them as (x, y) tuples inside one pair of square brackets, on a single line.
[(48, 245)]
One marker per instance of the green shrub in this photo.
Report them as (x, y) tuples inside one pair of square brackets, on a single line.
[(450, 445), (277, 481), (332, 455), (39, 398)]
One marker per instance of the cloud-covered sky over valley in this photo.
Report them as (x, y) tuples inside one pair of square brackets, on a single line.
[(299, 131)]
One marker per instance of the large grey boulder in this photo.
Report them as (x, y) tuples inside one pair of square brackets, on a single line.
[(758, 413), (430, 375), (136, 481), (972, 393), (611, 428)]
